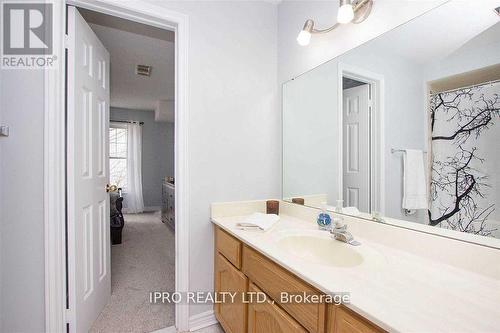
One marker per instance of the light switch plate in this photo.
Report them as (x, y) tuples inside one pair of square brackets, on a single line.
[(4, 130)]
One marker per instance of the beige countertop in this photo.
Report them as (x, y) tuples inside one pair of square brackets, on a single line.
[(397, 290)]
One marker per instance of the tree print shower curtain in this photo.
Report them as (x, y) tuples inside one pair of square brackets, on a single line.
[(465, 143)]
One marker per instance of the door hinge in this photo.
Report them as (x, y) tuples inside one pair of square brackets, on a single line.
[(68, 316)]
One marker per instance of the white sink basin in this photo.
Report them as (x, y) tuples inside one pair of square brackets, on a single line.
[(320, 248)]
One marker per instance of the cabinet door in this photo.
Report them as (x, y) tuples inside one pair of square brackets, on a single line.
[(269, 318), (274, 279), (171, 207), (232, 316), (342, 320)]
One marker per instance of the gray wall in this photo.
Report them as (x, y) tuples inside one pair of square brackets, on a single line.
[(157, 152), (21, 202)]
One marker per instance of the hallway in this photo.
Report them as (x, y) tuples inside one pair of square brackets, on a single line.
[(144, 262)]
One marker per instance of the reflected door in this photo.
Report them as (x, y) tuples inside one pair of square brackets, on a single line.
[(356, 147)]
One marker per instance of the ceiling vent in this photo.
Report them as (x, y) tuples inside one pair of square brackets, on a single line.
[(143, 70)]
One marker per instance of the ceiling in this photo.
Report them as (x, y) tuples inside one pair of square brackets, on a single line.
[(131, 44)]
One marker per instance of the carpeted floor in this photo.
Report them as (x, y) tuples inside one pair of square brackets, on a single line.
[(144, 262)]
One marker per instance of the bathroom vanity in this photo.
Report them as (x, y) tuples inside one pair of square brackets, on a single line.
[(240, 268), (394, 284)]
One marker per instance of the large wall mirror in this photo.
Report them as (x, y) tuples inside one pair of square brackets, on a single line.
[(404, 129)]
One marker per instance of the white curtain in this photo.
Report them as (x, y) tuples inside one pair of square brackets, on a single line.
[(135, 202)]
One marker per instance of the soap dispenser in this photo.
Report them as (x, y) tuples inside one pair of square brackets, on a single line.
[(324, 220)]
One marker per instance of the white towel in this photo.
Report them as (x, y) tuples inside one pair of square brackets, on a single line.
[(259, 220), (354, 211), (415, 188)]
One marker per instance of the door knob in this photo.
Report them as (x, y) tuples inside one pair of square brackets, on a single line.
[(111, 188)]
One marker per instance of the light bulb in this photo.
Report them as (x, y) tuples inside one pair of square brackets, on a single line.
[(345, 13), (304, 38)]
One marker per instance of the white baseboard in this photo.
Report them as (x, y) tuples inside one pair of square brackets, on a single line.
[(196, 322), (202, 320)]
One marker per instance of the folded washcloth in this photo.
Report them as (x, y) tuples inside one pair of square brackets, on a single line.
[(354, 211), (259, 220)]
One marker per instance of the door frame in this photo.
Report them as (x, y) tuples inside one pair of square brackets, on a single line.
[(377, 140), (56, 314)]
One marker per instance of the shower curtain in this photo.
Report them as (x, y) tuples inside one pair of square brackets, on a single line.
[(465, 139), (135, 202)]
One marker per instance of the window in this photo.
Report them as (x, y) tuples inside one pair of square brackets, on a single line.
[(118, 155)]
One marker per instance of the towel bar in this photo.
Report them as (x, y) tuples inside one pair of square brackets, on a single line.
[(401, 151)]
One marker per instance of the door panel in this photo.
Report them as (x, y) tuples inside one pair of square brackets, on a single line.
[(352, 148), (356, 147), (352, 198), (103, 243), (88, 203)]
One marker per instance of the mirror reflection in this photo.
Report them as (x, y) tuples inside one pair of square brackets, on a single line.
[(403, 127)]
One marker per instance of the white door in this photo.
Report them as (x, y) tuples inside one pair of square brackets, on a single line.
[(88, 203), (356, 147)]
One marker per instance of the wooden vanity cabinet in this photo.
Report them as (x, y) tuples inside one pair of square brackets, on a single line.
[(260, 274)]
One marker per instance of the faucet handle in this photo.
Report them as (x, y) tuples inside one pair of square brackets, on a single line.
[(340, 228), (338, 225)]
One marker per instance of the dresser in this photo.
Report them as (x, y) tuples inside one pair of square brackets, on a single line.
[(168, 204)]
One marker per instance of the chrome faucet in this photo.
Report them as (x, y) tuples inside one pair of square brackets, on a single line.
[(340, 233)]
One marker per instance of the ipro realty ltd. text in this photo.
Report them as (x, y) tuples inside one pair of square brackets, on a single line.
[(200, 297)]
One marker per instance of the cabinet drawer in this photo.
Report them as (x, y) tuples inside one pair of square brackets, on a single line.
[(229, 246), (343, 320), (267, 317), (273, 279)]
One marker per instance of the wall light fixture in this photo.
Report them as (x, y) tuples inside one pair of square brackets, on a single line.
[(355, 11)]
